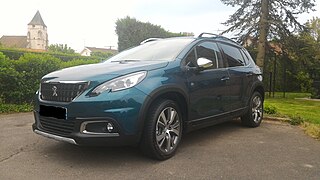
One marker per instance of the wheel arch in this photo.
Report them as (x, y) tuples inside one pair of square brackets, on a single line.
[(260, 89), (173, 93)]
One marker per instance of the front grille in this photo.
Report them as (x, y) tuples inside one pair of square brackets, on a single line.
[(61, 92), (57, 126)]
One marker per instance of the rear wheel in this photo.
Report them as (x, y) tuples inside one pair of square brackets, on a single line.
[(254, 115), (163, 130)]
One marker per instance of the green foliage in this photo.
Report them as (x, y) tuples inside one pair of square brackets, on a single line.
[(2, 57), (132, 32), (306, 109), (20, 79), (101, 55), (296, 120), (295, 61), (12, 108), (60, 48), (13, 53), (77, 62), (270, 109), (312, 129), (305, 81), (265, 19), (281, 17)]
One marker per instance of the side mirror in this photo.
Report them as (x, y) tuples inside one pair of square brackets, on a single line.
[(204, 63)]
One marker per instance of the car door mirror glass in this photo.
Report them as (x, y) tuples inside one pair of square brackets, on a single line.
[(204, 63)]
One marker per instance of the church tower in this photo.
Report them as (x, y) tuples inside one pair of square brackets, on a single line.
[(37, 33)]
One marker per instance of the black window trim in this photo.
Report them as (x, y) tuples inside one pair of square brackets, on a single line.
[(193, 48), (224, 55)]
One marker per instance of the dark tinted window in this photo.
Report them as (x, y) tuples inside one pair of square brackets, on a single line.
[(246, 60), (233, 55), (249, 56), (209, 50), (191, 59)]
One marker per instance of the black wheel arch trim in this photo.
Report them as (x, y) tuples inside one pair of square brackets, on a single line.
[(170, 88), (255, 86)]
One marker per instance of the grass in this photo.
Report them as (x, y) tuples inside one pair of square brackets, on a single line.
[(13, 108), (291, 107), (300, 111)]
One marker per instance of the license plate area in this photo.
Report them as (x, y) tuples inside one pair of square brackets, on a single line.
[(53, 111)]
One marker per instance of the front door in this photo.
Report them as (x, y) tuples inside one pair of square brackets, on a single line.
[(207, 87)]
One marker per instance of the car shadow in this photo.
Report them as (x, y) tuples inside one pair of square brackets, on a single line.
[(95, 156)]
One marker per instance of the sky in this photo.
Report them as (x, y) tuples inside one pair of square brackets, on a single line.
[(91, 23)]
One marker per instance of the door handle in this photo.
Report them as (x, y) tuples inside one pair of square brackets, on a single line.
[(225, 79), (249, 74)]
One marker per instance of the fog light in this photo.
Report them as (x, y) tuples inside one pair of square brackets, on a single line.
[(109, 127)]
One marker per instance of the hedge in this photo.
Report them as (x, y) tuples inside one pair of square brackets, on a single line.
[(20, 79)]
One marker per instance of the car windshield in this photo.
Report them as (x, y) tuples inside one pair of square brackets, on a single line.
[(162, 49)]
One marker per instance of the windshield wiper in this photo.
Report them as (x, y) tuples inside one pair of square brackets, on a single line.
[(127, 60)]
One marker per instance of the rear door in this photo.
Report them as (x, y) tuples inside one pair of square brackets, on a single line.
[(238, 73)]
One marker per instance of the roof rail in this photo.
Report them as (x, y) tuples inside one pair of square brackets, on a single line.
[(149, 40), (218, 36)]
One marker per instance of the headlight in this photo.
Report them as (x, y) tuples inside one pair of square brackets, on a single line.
[(120, 83)]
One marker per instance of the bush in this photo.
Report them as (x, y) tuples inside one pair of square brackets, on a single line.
[(312, 129), (270, 109), (296, 120), (20, 79), (10, 108)]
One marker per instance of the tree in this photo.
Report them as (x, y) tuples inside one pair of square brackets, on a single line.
[(101, 55), (266, 19), (60, 48), (131, 32)]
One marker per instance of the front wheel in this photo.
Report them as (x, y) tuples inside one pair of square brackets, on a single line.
[(163, 130), (254, 115)]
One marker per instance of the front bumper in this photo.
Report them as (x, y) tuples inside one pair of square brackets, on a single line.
[(121, 109), (76, 137)]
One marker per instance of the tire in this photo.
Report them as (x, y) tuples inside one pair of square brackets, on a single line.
[(162, 131), (254, 115)]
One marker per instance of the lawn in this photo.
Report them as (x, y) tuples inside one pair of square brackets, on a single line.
[(292, 107)]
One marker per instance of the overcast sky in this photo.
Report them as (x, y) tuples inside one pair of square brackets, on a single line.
[(80, 23)]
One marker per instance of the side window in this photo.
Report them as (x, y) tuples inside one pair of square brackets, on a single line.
[(210, 51), (233, 55), (245, 57), (249, 56), (191, 59)]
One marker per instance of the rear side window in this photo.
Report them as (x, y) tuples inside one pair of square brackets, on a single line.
[(246, 59), (233, 55)]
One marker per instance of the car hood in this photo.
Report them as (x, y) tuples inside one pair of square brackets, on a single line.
[(102, 71)]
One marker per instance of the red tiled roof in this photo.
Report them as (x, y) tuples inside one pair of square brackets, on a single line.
[(94, 49), (14, 41)]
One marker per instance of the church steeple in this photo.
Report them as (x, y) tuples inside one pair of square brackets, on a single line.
[(37, 33), (37, 20)]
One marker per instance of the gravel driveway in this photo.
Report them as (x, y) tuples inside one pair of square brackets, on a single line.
[(226, 151)]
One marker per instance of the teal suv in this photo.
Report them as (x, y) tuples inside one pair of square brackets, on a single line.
[(151, 95)]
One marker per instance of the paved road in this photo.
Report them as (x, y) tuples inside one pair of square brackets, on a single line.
[(227, 151)]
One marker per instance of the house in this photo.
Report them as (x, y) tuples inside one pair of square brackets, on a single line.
[(37, 36), (14, 41), (88, 50)]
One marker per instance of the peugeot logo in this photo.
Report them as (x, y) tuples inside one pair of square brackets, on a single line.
[(54, 89)]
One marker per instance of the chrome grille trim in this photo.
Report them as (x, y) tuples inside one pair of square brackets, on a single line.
[(62, 91)]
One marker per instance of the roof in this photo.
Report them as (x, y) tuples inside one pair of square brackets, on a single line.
[(14, 41), (94, 49), (37, 20)]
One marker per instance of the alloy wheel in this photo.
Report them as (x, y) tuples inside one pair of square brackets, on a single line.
[(257, 109), (168, 130)]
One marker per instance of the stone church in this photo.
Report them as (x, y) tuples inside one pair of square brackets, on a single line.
[(37, 36)]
